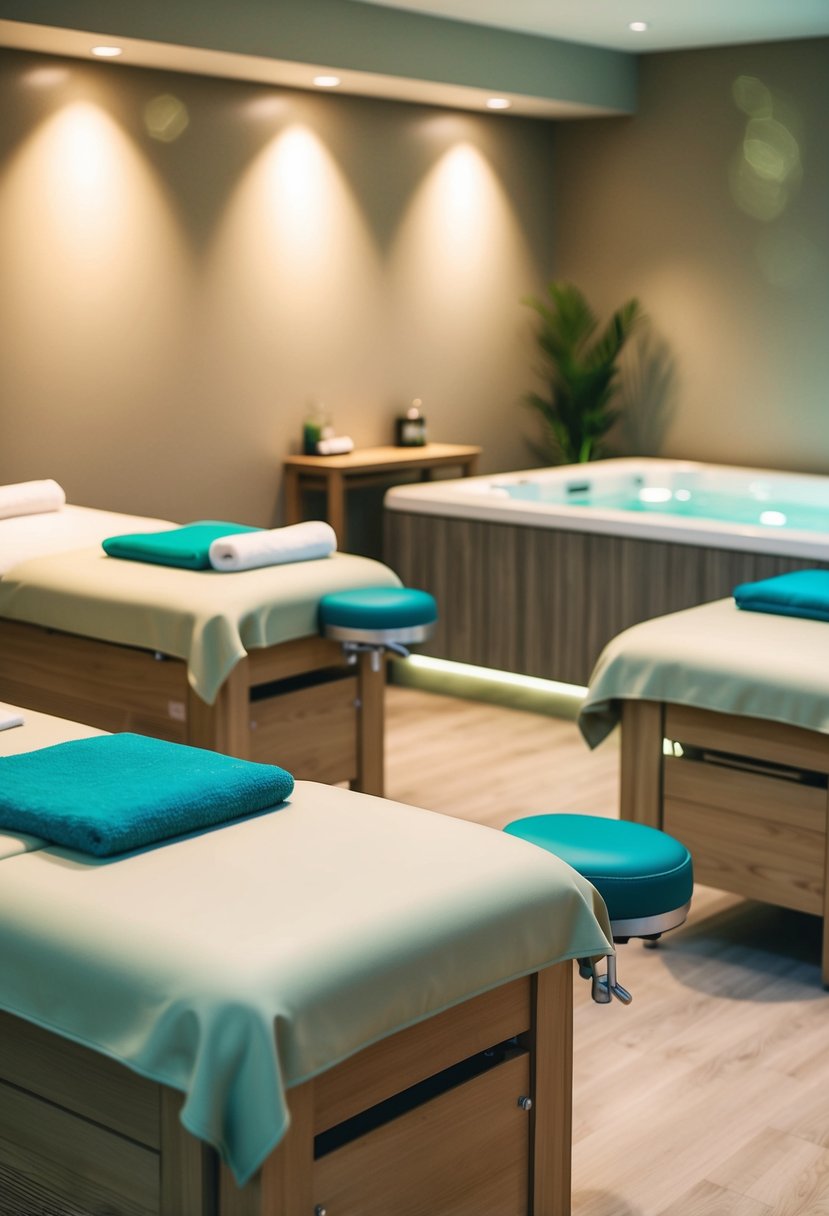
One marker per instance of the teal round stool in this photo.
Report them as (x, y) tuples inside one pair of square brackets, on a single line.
[(644, 876), (378, 619)]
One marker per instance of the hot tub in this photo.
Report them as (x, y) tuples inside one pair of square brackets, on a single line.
[(535, 571)]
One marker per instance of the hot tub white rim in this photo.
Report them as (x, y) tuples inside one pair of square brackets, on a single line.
[(458, 499)]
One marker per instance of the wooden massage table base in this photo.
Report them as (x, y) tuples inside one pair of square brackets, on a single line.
[(82, 1135), (297, 704), (747, 797)]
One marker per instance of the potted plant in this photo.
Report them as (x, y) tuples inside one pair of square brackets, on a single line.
[(582, 370)]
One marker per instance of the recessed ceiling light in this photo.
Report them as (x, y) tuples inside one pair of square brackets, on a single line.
[(498, 103), (326, 82), (107, 52), (638, 27)]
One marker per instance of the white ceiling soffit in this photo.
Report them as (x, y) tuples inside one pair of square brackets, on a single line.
[(168, 57), (671, 24), (377, 51)]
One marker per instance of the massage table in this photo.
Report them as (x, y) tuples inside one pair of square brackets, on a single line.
[(725, 744), (366, 1007), (232, 662)]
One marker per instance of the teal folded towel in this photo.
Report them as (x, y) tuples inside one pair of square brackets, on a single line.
[(800, 593), (113, 793), (187, 547)]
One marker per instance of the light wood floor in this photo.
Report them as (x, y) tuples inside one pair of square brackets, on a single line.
[(709, 1095)]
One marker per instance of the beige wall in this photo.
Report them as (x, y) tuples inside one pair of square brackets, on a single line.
[(722, 228), (168, 306)]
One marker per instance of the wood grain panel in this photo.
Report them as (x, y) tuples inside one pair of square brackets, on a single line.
[(414, 1054), (770, 741), (120, 688), (786, 804), (225, 725), (81, 1080), (312, 732), (189, 1167), (640, 781), (75, 1157), (464, 1152), (752, 857), (545, 601), (552, 1092), (111, 687), (271, 663)]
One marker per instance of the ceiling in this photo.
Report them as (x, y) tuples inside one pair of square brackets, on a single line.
[(548, 58), (672, 24)]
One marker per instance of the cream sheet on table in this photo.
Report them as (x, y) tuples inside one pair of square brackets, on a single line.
[(718, 657), (210, 619), (26, 536), (237, 963)]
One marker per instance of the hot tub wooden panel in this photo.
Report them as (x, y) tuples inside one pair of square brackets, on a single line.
[(544, 601)]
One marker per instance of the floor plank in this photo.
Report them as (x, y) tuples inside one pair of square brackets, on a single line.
[(708, 1095)]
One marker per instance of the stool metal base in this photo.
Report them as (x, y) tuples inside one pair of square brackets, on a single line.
[(404, 635), (648, 926)]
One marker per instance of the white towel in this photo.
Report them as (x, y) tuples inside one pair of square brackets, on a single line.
[(274, 547), (335, 445), (10, 716), (30, 498)]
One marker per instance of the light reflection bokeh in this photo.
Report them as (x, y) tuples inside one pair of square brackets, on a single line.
[(166, 118), (766, 171)]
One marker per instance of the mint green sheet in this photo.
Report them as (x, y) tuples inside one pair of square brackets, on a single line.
[(236, 964), (203, 616), (715, 657)]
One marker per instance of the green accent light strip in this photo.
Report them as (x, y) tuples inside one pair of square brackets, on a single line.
[(504, 679)]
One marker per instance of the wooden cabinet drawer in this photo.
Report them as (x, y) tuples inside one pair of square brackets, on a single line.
[(311, 731), (463, 1153), (759, 835)]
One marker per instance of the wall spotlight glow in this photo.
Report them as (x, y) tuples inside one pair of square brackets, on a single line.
[(498, 103), (326, 82), (638, 27), (107, 52)]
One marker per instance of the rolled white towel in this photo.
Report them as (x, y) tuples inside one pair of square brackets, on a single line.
[(273, 547), (335, 445), (10, 716), (30, 498)]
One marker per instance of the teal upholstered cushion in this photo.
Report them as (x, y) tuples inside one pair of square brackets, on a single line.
[(799, 593), (639, 871), (378, 608)]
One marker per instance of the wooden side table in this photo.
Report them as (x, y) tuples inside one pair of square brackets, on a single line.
[(336, 474)]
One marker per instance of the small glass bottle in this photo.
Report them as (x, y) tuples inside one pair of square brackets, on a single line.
[(314, 427), (410, 430)]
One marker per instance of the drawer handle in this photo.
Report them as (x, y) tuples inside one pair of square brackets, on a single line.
[(525, 1103), (319, 1210)]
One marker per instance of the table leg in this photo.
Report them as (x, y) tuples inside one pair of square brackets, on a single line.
[(336, 504), (293, 496)]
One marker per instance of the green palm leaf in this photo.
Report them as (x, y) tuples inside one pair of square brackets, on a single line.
[(581, 370)]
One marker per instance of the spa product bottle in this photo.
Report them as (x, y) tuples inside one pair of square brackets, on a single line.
[(315, 427), (410, 430)]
